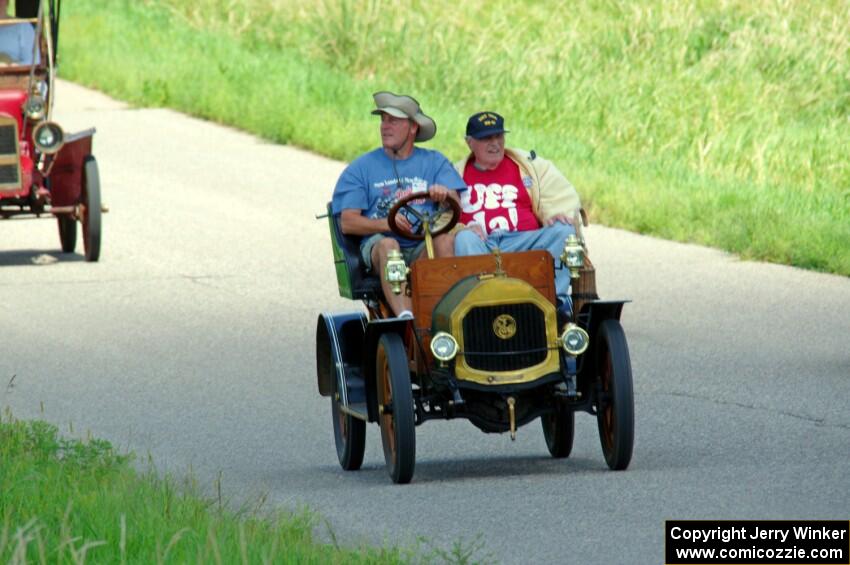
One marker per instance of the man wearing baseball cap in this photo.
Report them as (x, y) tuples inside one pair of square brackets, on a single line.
[(515, 200), (370, 186)]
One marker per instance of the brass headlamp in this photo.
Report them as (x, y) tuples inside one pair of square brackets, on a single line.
[(574, 340), (573, 255), (395, 271), (444, 347), (48, 137)]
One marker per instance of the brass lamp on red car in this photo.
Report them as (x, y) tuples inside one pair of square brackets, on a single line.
[(48, 137), (35, 108)]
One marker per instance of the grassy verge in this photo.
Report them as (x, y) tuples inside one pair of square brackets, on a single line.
[(725, 124), (67, 501)]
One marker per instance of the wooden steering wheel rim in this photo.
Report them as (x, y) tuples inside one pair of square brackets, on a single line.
[(402, 203)]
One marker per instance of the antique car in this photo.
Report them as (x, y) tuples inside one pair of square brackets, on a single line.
[(485, 343), (45, 172)]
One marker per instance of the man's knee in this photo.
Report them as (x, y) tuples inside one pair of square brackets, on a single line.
[(560, 229), (467, 242), (444, 245), (382, 248), (556, 234)]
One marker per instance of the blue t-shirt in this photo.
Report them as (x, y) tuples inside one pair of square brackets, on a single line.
[(371, 183)]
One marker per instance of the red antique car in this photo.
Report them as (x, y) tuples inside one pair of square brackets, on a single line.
[(44, 171)]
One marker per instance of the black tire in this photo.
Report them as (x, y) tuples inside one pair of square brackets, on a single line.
[(559, 430), (91, 209), (67, 233), (615, 405), (349, 434), (395, 400)]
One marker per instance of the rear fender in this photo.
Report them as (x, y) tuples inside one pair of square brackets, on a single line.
[(339, 342)]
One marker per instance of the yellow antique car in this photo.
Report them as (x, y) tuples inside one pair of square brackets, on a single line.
[(485, 344)]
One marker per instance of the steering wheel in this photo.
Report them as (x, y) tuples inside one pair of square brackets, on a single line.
[(448, 206)]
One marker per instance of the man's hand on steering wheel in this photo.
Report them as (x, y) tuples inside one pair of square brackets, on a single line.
[(403, 223), (438, 193), (401, 226)]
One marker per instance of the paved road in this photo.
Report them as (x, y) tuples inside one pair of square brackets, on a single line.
[(192, 340)]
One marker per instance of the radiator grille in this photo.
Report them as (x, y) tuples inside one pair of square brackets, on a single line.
[(8, 145), (9, 174), (484, 351)]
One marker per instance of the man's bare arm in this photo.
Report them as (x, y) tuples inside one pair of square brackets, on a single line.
[(353, 222)]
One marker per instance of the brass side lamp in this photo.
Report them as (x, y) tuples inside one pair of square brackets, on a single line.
[(573, 255), (395, 271)]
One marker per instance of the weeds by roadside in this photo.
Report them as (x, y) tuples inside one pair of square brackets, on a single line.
[(71, 501)]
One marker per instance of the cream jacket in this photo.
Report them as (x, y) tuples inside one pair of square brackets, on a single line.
[(551, 193)]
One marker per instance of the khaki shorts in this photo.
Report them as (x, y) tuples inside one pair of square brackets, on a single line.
[(410, 254)]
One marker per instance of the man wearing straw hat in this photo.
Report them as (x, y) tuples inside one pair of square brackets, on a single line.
[(516, 201), (372, 183)]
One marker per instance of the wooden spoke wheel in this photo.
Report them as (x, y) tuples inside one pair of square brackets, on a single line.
[(91, 209), (349, 433), (395, 407), (559, 430), (67, 232), (615, 403)]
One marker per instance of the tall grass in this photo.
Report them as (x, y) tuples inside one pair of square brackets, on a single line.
[(725, 123), (70, 501)]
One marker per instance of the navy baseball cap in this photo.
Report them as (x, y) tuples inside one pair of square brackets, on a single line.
[(485, 124)]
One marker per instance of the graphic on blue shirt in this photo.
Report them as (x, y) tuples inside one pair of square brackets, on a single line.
[(371, 184)]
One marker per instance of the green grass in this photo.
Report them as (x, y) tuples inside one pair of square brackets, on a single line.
[(722, 123), (71, 501)]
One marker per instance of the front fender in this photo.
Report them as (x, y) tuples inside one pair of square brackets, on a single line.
[(339, 342), (374, 330), (591, 317), (595, 312)]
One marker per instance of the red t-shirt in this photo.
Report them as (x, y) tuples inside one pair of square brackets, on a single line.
[(497, 199)]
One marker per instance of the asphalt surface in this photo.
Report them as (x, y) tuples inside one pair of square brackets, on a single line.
[(192, 341)]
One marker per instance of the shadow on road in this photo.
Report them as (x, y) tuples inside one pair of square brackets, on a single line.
[(503, 467), (433, 471), (37, 257)]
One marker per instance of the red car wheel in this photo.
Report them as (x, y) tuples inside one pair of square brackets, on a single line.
[(91, 209)]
